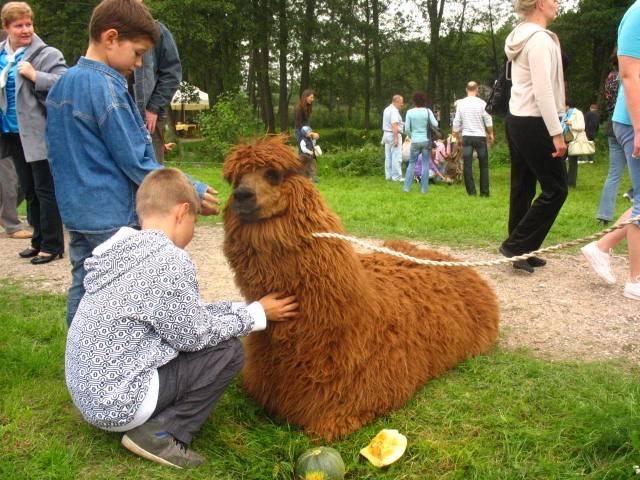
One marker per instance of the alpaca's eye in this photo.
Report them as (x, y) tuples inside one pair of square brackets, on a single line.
[(273, 176)]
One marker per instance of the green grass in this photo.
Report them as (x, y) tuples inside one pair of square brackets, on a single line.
[(371, 207), (502, 416)]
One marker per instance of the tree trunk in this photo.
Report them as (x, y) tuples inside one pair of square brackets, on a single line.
[(306, 41), (283, 38)]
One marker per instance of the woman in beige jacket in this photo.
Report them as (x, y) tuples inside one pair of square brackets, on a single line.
[(534, 132)]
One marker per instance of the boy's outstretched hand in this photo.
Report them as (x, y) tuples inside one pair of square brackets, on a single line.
[(209, 202), (278, 307)]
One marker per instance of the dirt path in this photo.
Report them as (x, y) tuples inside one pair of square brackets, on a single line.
[(562, 312)]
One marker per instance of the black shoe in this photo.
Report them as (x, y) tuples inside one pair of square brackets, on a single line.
[(523, 265), (604, 222), (40, 259), (29, 252), (536, 261), (518, 264)]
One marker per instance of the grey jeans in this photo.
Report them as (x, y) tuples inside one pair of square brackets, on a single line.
[(191, 385), (9, 196)]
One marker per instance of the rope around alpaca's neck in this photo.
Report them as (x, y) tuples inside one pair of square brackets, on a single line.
[(423, 261)]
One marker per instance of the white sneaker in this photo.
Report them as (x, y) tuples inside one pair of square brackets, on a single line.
[(599, 261), (632, 290)]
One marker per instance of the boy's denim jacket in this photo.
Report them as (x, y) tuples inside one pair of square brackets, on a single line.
[(159, 77), (99, 148)]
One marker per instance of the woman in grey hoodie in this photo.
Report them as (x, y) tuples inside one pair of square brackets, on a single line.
[(534, 131)]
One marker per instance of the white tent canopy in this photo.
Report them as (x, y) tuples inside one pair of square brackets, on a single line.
[(201, 104)]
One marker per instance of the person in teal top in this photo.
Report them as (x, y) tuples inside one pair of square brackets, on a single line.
[(626, 125), (417, 127)]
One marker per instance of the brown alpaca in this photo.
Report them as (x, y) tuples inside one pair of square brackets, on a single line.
[(373, 328)]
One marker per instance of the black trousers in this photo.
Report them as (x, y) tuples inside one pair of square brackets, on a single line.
[(530, 147), (36, 182), (479, 144), (192, 383)]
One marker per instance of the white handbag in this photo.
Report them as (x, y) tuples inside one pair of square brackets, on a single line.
[(581, 146)]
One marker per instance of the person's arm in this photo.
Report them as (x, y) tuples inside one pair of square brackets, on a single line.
[(191, 324), (630, 77), (131, 155), (543, 93), (303, 147), (168, 72), (50, 67), (488, 125)]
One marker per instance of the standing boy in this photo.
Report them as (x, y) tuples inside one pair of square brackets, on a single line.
[(99, 147), (144, 354)]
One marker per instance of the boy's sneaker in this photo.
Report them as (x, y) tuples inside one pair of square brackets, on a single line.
[(632, 290), (152, 442), (599, 261)]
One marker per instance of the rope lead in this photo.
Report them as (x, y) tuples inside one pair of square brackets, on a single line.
[(487, 263)]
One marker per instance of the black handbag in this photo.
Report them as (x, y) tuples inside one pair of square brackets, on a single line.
[(498, 102)]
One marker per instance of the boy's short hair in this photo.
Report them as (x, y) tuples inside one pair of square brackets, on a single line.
[(131, 18), (12, 11), (163, 189)]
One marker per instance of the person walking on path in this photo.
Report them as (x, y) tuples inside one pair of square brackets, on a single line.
[(473, 126), (392, 127), (534, 132), (617, 158), (626, 127)]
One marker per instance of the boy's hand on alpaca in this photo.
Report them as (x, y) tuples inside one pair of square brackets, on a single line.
[(278, 307), (209, 202)]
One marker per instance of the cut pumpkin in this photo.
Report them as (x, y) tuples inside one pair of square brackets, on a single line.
[(385, 448)]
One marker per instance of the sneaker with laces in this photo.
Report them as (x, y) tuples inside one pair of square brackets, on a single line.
[(632, 290), (599, 261), (152, 442)]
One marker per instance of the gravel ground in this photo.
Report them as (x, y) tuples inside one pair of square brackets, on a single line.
[(561, 312)]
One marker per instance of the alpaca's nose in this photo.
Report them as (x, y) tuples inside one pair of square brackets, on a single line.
[(243, 194)]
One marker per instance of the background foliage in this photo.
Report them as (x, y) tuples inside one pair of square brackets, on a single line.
[(354, 53)]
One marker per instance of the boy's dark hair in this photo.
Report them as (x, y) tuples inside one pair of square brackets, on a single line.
[(163, 189), (131, 18)]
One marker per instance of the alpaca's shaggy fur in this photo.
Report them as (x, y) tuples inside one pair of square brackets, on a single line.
[(373, 328)]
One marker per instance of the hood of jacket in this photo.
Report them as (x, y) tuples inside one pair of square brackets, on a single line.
[(121, 254), (517, 39)]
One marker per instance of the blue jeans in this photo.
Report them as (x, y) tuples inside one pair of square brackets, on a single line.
[(80, 247), (414, 151), (392, 157), (617, 166), (625, 135)]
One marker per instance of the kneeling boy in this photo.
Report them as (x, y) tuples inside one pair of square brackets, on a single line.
[(144, 353)]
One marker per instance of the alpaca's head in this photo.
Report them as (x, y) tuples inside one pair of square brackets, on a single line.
[(267, 179)]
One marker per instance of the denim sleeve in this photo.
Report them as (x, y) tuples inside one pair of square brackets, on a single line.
[(168, 71)]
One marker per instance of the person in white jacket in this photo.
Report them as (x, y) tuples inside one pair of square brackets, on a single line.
[(573, 124), (144, 353), (534, 132)]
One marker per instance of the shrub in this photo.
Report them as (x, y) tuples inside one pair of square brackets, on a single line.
[(229, 121), (367, 160)]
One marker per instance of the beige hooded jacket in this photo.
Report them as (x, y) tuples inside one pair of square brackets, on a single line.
[(537, 76)]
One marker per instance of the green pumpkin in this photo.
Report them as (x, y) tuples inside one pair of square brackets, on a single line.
[(320, 463)]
